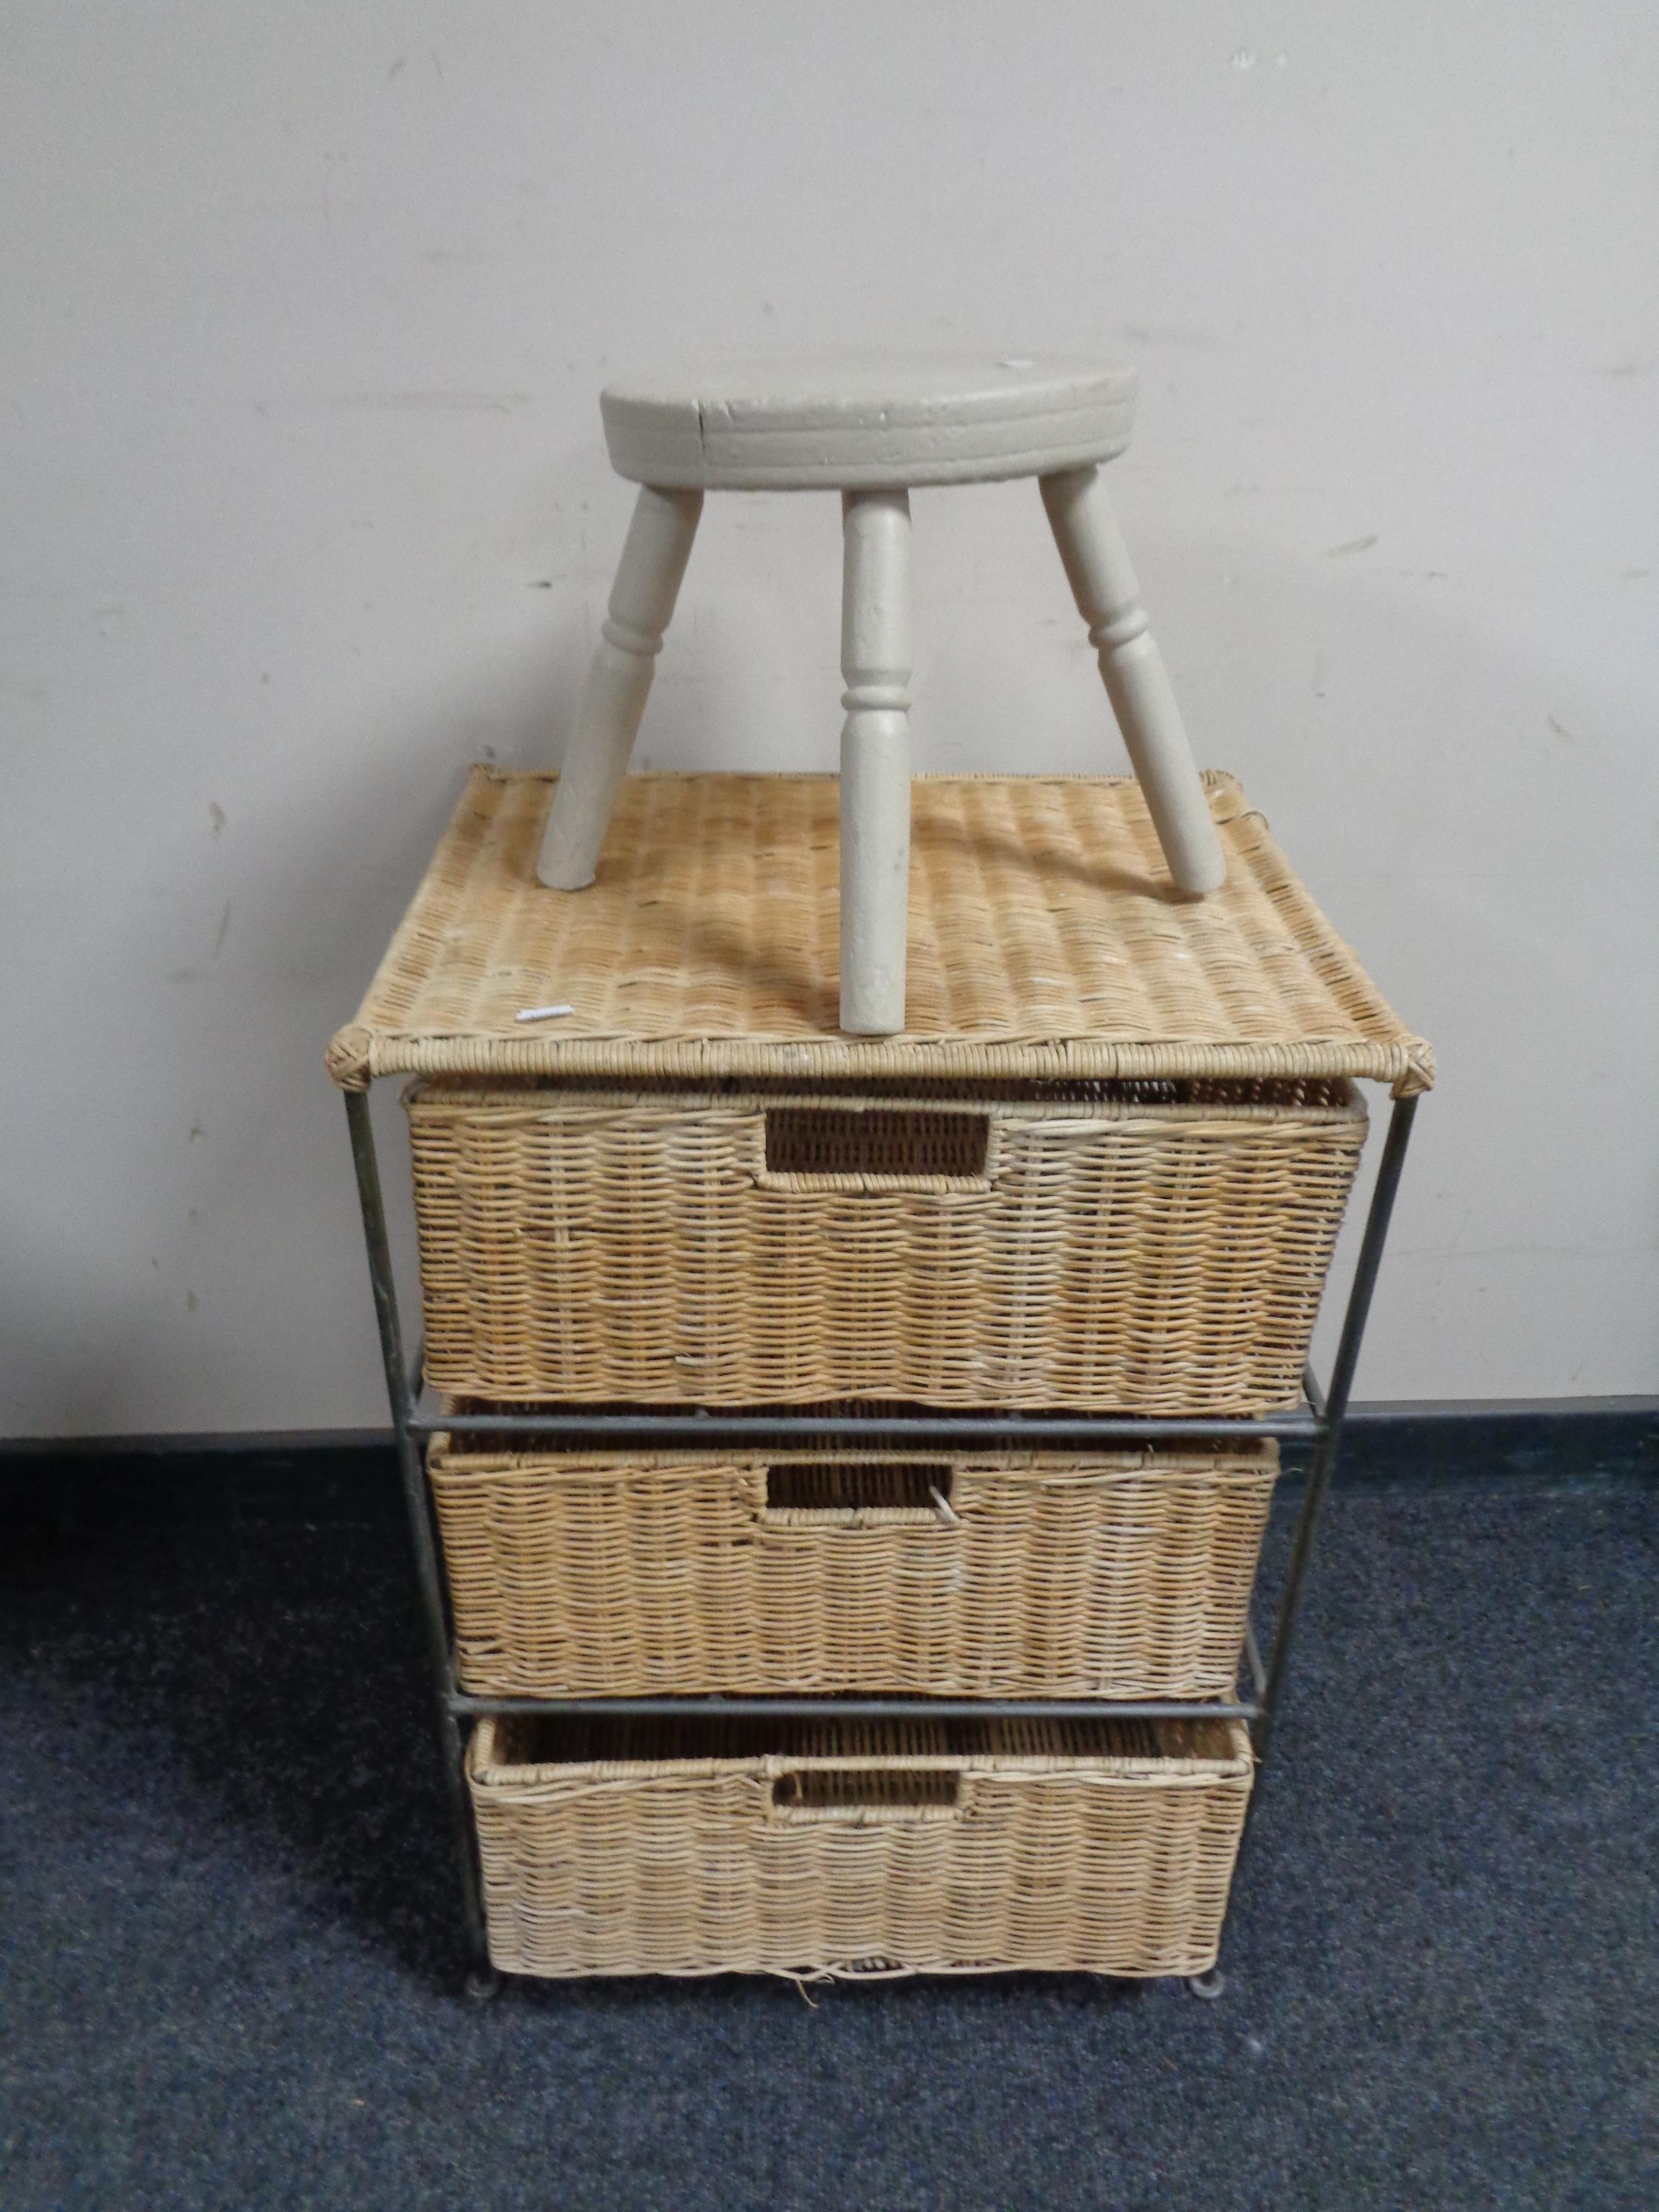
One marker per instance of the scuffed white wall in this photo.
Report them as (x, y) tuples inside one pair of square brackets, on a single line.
[(305, 313)]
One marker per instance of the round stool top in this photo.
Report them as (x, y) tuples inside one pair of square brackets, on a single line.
[(857, 420)]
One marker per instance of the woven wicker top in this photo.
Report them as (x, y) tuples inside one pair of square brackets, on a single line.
[(1045, 942)]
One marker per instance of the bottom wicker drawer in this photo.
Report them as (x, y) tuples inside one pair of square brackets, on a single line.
[(701, 1847), (1039, 1574)]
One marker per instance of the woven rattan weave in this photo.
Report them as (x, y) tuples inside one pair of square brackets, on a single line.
[(1103, 1170), (1160, 1256), (1126, 1576), (847, 1848), (1044, 941)]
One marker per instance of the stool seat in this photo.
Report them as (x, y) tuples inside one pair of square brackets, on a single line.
[(865, 421)]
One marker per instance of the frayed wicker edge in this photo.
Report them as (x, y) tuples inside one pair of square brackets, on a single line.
[(805, 1977)]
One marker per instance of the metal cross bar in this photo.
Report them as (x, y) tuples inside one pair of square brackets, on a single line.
[(842, 1707), (695, 1427)]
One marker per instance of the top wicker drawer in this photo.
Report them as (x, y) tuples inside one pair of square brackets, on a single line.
[(1151, 1248)]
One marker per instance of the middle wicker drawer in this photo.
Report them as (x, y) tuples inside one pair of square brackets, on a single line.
[(611, 1574)]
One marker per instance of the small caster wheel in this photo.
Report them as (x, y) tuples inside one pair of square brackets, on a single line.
[(1208, 1986), (482, 1983)]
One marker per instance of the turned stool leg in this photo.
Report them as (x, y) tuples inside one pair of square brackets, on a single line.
[(1109, 599), (642, 602), (875, 760)]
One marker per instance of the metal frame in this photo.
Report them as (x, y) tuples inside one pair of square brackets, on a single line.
[(1319, 1421)]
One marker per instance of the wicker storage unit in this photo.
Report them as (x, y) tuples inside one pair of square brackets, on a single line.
[(1126, 1576), (1098, 1177), (1135, 1247), (845, 1848)]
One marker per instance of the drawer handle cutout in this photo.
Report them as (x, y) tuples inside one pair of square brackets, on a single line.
[(831, 1791), (831, 1140), (840, 1490)]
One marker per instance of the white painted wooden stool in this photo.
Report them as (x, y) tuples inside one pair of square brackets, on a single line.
[(870, 426)]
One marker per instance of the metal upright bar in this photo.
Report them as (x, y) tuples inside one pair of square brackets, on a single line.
[(1335, 1413), (1313, 1394), (483, 1979), (1257, 1673)]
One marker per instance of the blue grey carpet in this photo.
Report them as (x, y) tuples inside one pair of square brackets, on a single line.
[(231, 1976)]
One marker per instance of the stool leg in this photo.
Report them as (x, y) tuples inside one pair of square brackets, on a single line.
[(642, 602), (1109, 599), (875, 760)]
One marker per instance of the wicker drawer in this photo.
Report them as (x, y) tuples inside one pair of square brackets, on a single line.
[(1156, 1248), (620, 1847), (1039, 1575)]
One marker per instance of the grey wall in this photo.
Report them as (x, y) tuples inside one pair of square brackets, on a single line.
[(305, 312)]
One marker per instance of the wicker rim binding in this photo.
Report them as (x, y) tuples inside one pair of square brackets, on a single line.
[(1171, 1753)]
